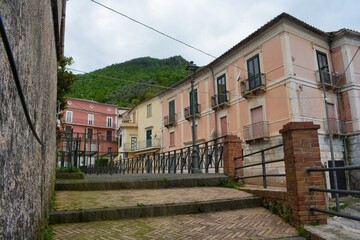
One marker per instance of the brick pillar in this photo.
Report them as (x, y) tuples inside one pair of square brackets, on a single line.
[(301, 151), (232, 149)]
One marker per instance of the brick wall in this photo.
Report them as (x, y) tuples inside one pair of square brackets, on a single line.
[(232, 149)]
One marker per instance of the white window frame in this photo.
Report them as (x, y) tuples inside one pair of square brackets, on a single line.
[(109, 120), (69, 116), (91, 119)]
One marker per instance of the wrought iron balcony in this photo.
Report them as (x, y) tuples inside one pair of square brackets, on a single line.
[(257, 130), (253, 85), (187, 112), (337, 126), (170, 120), (330, 79), (142, 145), (220, 100)]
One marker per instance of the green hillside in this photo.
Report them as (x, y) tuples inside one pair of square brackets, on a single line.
[(131, 82)]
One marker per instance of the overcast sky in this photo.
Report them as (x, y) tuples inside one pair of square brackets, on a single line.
[(96, 37)]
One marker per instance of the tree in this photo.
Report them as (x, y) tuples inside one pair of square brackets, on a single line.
[(65, 79)]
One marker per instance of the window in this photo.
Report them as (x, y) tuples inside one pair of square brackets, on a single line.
[(172, 139), (90, 119), (172, 111), (323, 67), (120, 140), (109, 149), (109, 121), (254, 74), (221, 87), (69, 116), (223, 123), (191, 101), (89, 133), (133, 142), (148, 137), (149, 110), (257, 122), (134, 117), (108, 135)]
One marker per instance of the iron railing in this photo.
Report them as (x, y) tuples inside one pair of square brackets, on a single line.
[(176, 161), (253, 83), (256, 131), (263, 163), (337, 191), (337, 126), (170, 120), (187, 111), (141, 145), (330, 79), (220, 99)]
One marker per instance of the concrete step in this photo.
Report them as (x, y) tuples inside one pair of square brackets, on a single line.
[(138, 181), (156, 210)]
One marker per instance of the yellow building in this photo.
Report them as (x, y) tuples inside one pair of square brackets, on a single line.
[(140, 129)]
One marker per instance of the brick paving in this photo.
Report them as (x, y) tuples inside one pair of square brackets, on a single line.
[(73, 200), (254, 223)]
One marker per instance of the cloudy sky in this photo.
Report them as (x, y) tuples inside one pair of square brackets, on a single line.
[(96, 37)]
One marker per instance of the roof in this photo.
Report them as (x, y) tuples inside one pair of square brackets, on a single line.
[(91, 101)]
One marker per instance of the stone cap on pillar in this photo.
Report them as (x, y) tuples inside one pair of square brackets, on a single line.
[(299, 126)]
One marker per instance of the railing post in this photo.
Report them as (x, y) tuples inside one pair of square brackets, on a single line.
[(232, 149), (301, 151), (263, 168)]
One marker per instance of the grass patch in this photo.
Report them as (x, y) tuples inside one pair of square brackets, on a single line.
[(47, 233), (279, 208), (302, 232), (68, 170), (228, 184), (140, 205)]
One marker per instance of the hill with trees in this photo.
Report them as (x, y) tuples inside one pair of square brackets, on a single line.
[(128, 83)]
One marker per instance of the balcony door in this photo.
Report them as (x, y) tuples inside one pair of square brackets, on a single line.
[(323, 67), (223, 123), (332, 119), (221, 87), (172, 111), (257, 128), (254, 75), (148, 137)]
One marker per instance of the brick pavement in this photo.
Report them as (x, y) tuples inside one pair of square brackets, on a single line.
[(72, 200), (254, 223)]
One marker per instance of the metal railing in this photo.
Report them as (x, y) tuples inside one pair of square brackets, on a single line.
[(337, 126), (330, 79), (187, 111), (253, 83), (263, 164), (177, 161), (220, 99), (94, 123), (337, 191), (256, 131), (141, 145), (170, 120)]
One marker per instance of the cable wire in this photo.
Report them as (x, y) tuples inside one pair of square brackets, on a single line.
[(16, 78)]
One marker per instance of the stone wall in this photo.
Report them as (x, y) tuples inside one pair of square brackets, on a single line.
[(353, 152), (27, 168)]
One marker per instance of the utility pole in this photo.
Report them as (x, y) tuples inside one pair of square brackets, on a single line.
[(194, 155)]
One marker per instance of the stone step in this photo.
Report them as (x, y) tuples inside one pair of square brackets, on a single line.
[(141, 211), (138, 181)]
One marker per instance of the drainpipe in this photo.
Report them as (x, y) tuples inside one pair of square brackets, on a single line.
[(215, 114)]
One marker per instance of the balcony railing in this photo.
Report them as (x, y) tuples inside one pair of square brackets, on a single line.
[(330, 79), (253, 85), (337, 126), (257, 130), (187, 111), (220, 100), (97, 123), (170, 120), (143, 145)]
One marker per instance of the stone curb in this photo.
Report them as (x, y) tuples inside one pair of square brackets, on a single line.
[(88, 215), (143, 184)]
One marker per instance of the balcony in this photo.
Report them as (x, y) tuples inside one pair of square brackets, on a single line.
[(337, 126), (142, 145), (331, 80), (170, 120), (253, 85), (220, 100), (96, 123), (127, 123), (255, 131), (187, 112)]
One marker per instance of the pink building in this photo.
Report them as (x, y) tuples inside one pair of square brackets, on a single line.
[(89, 131), (274, 76)]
